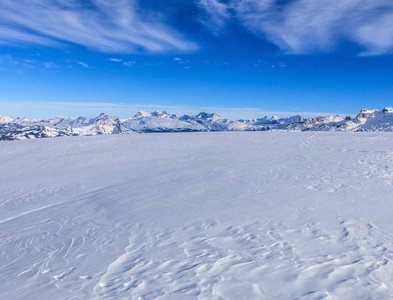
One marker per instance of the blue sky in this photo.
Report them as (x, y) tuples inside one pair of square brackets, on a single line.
[(239, 58)]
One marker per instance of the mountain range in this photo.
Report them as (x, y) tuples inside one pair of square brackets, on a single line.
[(161, 121)]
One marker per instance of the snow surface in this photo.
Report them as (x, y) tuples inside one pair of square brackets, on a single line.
[(225, 215)]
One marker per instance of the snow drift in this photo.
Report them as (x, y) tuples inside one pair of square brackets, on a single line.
[(229, 215)]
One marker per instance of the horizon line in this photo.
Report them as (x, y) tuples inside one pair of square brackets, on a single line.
[(50, 109)]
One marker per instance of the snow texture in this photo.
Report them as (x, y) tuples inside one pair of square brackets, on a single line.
[(224, 215), (148, 122)]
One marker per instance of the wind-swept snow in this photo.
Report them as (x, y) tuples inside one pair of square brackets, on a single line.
[(227, 215)]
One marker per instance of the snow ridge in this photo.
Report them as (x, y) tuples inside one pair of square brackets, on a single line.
[(161, 121)]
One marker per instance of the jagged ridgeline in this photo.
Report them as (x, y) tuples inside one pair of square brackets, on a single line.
[(145, 122)]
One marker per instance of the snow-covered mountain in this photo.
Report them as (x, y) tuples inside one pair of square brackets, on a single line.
[(158, 121), (161, 121), (22, 128)]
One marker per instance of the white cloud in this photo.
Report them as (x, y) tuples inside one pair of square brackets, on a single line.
[(124, 63), (118, 60), (12, 36), (106, 26), (129, 63), (83, 64), (377, 36), (218, 14), (50, 65), (312, 26)]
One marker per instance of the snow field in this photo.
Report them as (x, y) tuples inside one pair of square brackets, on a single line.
[(228, 215)]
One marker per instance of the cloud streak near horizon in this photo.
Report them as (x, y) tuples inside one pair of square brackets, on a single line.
[(50, 109), (124, 26)]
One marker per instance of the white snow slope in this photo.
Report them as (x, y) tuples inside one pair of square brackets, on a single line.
[(226, 215)]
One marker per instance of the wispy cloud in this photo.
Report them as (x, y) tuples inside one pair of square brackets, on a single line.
[(217, 12), (50, 65), (81, 63), (295, 26), (128, 63), (311, 26), (377, 36), (118, 60), (180, 60), (8, 60), (106, 26), (20, 63), (124, 63)]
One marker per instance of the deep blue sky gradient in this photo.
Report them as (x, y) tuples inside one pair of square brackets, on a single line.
[(229, 68)]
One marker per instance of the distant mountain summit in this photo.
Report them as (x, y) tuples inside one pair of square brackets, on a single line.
[(161, 121), (158, 114)]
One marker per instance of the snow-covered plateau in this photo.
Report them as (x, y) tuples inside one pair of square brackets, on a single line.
[(22, 128), (202, 215)]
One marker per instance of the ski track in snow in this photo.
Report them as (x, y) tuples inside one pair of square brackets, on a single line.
[(259, 215)]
